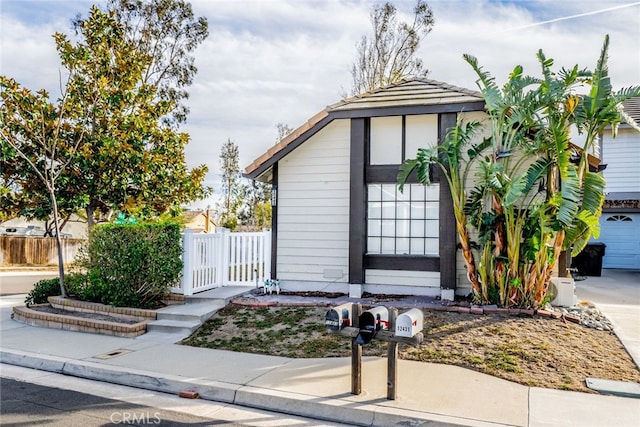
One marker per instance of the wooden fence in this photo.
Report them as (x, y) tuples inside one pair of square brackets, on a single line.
[(32, 250)]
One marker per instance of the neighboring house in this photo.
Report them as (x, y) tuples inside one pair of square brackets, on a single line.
[(339, 222), (199, 221), (620, 220)]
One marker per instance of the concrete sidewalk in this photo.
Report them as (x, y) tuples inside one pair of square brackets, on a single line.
[(428, 394)]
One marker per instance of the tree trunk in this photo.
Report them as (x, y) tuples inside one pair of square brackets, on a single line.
[(91, 221), (54, 206)]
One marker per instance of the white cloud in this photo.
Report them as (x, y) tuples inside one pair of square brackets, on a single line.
[(275, 61)]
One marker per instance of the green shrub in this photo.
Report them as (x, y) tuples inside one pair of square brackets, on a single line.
[(132, 265), (42, 291), (75, 285)]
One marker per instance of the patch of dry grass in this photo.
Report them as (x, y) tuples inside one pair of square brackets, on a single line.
[(533, 351)]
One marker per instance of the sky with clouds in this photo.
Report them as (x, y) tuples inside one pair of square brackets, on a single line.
[(276, 61)]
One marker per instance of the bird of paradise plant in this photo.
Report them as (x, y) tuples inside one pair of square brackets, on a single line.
[(534, 193)]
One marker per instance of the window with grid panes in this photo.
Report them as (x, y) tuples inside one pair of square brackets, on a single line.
[(404, 223)]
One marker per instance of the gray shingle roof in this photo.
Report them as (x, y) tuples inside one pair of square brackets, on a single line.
[(632, 107), (408, 92)]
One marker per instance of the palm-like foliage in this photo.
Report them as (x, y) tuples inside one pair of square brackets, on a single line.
[(530, 198)]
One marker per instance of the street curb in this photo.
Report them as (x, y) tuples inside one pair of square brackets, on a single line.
[(33, 361), (338, 409)]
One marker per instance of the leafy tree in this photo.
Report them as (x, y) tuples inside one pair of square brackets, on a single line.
[(131, 159), (136, 162), (232, 188), (41, 135), (390, 54), (534, 193), (168, 32), (23, 193)]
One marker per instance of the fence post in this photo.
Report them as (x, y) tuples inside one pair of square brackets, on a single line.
[(223, 267), (187, 262), (266, 253)]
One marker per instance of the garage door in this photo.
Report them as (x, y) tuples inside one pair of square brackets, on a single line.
[(621, 234)]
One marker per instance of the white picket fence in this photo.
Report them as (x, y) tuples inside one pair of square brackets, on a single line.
[(224, 259)]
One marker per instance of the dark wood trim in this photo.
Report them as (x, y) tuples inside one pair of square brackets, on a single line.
[(357, 200), (448, 237), (274, 224), (402, 262), (404, 138), (365, 113), (289, 148), (376, 174), (408, 110)]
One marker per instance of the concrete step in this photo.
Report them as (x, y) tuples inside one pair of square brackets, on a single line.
[(225, 293), (191, 312), (176, 322), (185, 327)]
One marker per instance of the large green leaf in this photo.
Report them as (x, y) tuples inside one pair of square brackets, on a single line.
[(593, 192), (585, 226), (570, 190), (476, 150), (515, 190), (537, 171), (406, 168)]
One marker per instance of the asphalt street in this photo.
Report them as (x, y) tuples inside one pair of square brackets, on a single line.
[(24, 403), (21, 282), (30, 397)]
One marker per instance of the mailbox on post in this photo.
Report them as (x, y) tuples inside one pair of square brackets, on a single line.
[(409, 323), (370, 322), (339, 317)]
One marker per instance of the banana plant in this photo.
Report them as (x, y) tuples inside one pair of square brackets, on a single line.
[(450, 157), (533, 194)]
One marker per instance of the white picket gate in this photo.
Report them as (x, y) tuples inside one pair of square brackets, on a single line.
[(224, 259)]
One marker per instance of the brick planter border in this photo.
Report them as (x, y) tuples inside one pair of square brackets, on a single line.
[(94, 307), (70, 323)]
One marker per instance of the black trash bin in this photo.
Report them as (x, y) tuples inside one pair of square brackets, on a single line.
[(589, 261)]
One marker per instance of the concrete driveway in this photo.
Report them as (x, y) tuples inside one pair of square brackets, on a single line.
[(617, 294)]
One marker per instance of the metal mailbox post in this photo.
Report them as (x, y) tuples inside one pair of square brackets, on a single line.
[(380, 323)]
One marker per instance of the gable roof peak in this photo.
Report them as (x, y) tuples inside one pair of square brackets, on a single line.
[(410, 81), (415, 94)]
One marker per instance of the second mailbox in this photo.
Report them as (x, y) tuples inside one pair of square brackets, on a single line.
[(370, 322), (409, 323)]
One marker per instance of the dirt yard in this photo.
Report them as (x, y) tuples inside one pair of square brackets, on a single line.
[(533, 351)]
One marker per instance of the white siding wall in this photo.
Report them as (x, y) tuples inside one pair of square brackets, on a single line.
[(622, 156), (313, 208), (402, 282)]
